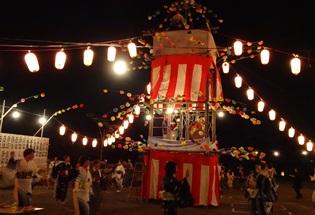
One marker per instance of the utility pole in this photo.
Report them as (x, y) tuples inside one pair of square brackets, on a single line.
[(2, 113)]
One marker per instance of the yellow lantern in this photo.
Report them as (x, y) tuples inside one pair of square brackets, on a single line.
[(74, 137), (238, 48), (132, 49), (309, 146), (264, 56), (62, 130), (111, 54), (60, 59), (105, 143), (94, 143), (31, 62), (295, 65), (260, 106), (250, 94), (238, 81), (88, 56), (226, 67), (272, 115), (84, 141), (282, 125), (301, 139), (291, 132)]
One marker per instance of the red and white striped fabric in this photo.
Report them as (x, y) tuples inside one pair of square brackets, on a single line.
[(203, 175), (183, 76)]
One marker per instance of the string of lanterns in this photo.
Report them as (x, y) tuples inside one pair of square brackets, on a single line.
[(261, 106)]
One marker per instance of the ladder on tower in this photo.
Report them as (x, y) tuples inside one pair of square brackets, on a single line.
[(134, 190)]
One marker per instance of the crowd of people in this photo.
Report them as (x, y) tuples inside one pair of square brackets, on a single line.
[(87, 179)]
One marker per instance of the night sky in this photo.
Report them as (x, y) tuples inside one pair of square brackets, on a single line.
[(288, 27)]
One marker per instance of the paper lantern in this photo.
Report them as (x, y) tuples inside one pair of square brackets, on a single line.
[(226, 67), (148, 117), (309, 146), (272, 115), (132, 49), (238, 48), (295, 65), (74, 137), (126, 124), (94, 143), (301, 139), (131, 118), (105, 143), (113, 139), (238, 81), (291, 132), (62, 130), (260, 106), (85, 141), (117, 134), (121, 130), (250, 94), (282, 125), (60, 59), (109, 141), (88, 56), (111, 54), (31, 62), (120, 67), (137, 109), (264, 56), (221, 114)]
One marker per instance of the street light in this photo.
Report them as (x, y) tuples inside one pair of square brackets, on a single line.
[(304, 153), (42, 120), (221, 114), (276, 153), (16, 115), (120, 67)]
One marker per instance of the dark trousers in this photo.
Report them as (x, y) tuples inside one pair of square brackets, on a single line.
[(170, 207), (25, 199), (298, 192), (61, 188)]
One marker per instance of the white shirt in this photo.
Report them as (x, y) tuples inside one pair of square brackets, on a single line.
[(31, 169), (83, 184)]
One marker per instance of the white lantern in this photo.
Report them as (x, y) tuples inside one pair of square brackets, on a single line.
[(149, 88), (250, 94), (31, 62), (260, 106), (238, 81), (62, 130), (148, 117), (111, 54), (113, 139), (309, 146), (131, 118), (220, 114), (60, 59), (238, 48), (132, 49), (74, 137), (105, 143), (295, 65), (282, 125), (272, 115), (88, 56), (117, 134), (264, 56), (120, 67), (94, 143), (121, 130), (85, 141), (291, 132), (126, 124), (226, 67), (136, 109), (301, 139), (109, 141)]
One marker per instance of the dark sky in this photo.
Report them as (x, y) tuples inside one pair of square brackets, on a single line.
[(288, 27)]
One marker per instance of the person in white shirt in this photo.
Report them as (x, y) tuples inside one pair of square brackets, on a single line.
[(119, 176), (83, 188), (26, 171)]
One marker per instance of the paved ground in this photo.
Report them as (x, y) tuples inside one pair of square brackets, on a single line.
[(232, 202)]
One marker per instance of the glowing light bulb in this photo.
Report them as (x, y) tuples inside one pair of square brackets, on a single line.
[(238, 81), (282, 125), (131, 118), (295, 65), (88, 56), (126, 124), (169, 110), (272, 115), (62, 130), (60, 59), (16, 114), (238, 48), (226, 67), (121, 130), (84, 141), (301, 139), (148, 117), (250, 94), (105, 143), (132, 49), (260, 106), (309, 146), (264, 56), (74, 137), (42, 120), (137, 109), (221, 114), (94, 143), (149, 88), (291, 132), (120, 67), (31, 62), (111, 54)]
